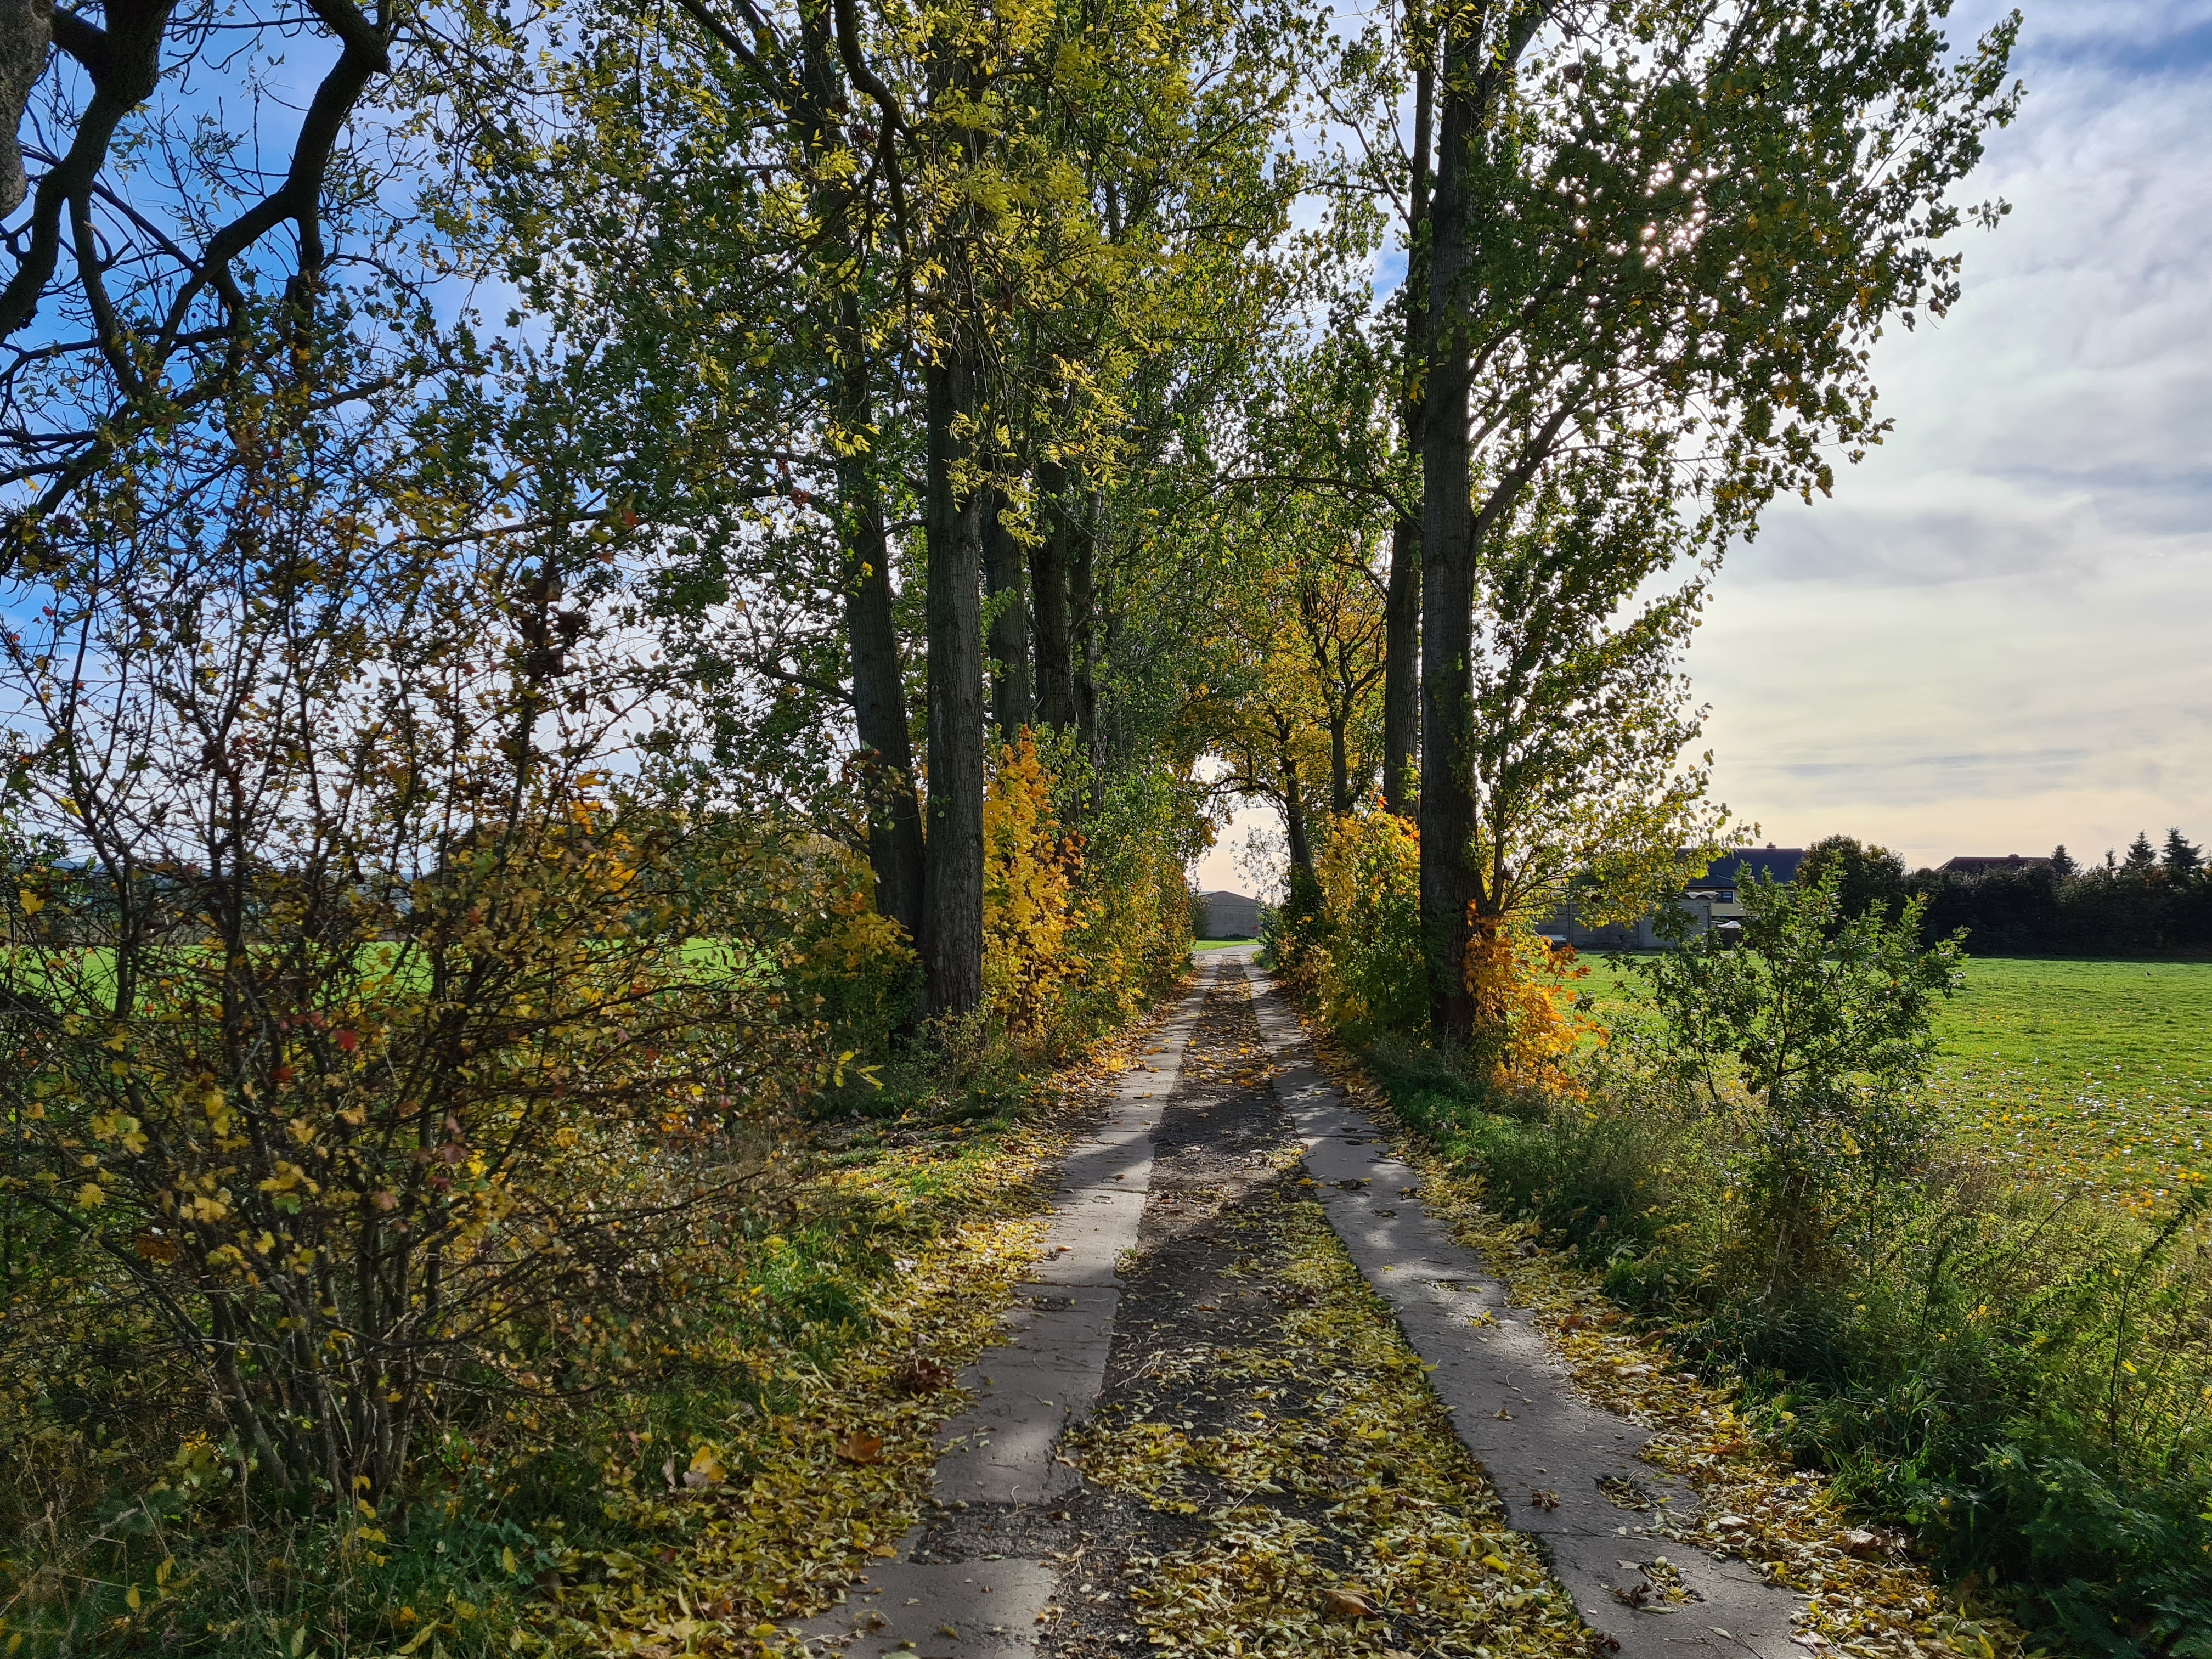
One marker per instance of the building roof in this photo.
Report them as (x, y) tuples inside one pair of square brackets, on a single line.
[(1975, 864), (1746, 864)]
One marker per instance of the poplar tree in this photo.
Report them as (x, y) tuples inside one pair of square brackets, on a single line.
[(883, 304), (1683, 219)]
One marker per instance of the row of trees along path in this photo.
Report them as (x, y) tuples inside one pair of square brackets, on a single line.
[(840, 319)]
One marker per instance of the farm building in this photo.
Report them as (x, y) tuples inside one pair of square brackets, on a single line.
[(1711, 899), (1230, 915)]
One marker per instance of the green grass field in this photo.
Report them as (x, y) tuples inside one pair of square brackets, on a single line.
[(2074, 1072)]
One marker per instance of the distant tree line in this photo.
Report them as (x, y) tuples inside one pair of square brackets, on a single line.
[(2147, 900)]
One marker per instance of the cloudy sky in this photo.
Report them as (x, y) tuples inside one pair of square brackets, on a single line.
[(1997, 635)]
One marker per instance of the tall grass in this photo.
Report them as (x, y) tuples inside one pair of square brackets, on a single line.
[(2020, 1374)]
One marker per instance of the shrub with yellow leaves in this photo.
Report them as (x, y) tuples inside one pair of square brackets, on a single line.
[(1031, 913), (1083, 926), (369, 1046), (1357, 953), (1529, 1024), (846, 962), (1366, 964)]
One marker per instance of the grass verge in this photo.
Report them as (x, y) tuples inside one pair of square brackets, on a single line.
[(2016, 1380)]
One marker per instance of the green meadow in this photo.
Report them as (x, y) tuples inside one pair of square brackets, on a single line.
[(2074, 1071)]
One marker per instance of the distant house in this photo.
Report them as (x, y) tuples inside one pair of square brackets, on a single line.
[(1230, 915), (1981, 867), (1746, 865), (1712, 899)]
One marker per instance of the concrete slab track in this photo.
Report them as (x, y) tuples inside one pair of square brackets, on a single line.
[(1511, 1399), (1003, 1451)]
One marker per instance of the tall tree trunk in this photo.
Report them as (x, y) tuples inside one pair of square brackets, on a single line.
[(1082, 599), (952, 872), (1113, 625), (1401, 666), (1049, 600), (895, 845), (1401, 678), (1479, 71), (1006, 576), (1294, 820), (1339, 762), (1449, 882), (879, 716)]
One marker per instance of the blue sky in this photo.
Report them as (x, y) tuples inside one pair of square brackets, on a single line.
[(1997, 635)]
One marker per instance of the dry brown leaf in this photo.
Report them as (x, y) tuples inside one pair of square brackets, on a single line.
[(922, 1375), (858, 1448), (1346, 1602)]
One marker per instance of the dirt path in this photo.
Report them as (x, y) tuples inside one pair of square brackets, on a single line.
[(1278, 1437)]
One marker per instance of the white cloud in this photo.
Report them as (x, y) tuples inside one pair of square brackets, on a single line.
[(1994, 637)]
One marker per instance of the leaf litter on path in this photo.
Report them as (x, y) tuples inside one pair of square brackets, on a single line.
[(774, 1518), (1865, 1594), (1341, 1513), (1296, 1484)]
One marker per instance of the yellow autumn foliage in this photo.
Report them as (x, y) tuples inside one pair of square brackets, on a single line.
[(1359, 956), (851, 964), (1031, 915), (1523, 989), (1365, 966)]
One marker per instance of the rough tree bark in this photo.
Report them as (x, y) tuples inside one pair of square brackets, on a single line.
[(1082, 601), (1294, 820), (952, 870), (1478, 65), (27, 27), (1053, 646), (1449, 882), (1401, 679), (1339, 763), (895, 842), (1005, 577)]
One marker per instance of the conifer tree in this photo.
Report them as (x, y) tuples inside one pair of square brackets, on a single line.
[(2180, 859)]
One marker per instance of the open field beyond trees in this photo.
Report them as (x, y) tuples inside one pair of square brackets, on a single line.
[(2087, 1072)]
